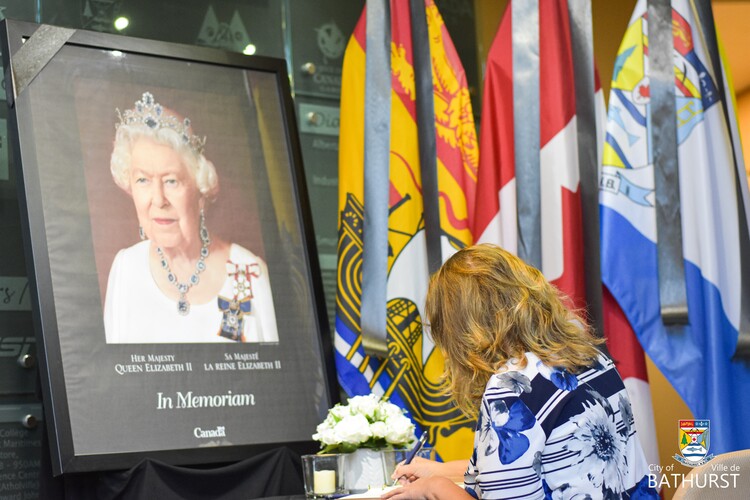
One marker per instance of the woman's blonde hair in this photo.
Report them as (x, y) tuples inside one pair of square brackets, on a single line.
[(485, 306)]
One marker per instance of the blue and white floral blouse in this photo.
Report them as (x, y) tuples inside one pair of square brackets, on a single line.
[(546, 433)]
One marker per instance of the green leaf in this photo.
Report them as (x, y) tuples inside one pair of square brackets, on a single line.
[(347, 448)]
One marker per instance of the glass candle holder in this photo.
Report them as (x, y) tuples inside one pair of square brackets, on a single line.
[(323, 475)]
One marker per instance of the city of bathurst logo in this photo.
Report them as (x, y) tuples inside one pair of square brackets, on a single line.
[(694, 441)]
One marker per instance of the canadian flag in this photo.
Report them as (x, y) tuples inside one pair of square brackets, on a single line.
[(495, 218)]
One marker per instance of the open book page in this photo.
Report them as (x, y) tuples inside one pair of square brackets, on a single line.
[(372, 492), (377, 492)]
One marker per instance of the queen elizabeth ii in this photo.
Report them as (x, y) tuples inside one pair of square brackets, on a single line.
[(180, 283)]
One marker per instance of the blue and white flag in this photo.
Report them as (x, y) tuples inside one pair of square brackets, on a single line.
[(697, 359)]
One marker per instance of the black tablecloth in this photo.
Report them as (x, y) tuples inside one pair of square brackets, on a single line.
[(275, 473)]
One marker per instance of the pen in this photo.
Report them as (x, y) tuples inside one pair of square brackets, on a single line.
[(412, 454)]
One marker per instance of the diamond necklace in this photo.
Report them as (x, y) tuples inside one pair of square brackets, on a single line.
[(183, 305)]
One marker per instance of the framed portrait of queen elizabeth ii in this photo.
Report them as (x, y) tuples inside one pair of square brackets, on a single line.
[(176, 292), (180, 282)]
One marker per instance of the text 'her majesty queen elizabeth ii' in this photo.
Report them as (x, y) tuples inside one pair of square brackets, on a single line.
[(180, 284)]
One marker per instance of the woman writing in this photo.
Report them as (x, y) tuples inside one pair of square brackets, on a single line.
[(180, 283), (554, 419)]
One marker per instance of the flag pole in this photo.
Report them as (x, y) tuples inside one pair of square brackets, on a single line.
[(376, 178), (426, 135), (525, 36), (671, 266), (579, 12)]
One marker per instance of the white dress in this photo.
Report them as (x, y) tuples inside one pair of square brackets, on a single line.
[(137, 312)]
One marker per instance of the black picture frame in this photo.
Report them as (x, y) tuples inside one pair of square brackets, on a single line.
[(101, 413)]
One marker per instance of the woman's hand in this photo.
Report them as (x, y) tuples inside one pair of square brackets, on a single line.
[(429, 488), (423, 468)]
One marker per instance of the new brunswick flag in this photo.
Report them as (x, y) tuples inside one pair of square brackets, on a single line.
[(410, 373)]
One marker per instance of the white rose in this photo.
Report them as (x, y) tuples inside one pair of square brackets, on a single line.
[(399, 429), (338, 412), (378, 429), (365, 405), (354, 429), (326, 436), (389, 410), (325, 432)]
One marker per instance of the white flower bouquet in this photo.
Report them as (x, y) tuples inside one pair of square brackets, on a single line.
[(364, 422)]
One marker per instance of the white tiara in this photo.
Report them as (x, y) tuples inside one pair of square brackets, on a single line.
[(151, 114)]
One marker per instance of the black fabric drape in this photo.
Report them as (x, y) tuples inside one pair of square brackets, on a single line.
[(275, 473)]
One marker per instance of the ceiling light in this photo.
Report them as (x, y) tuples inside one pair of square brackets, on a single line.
[(121, 23)]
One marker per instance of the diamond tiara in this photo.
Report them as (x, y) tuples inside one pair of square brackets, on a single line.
[(151, 114)]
